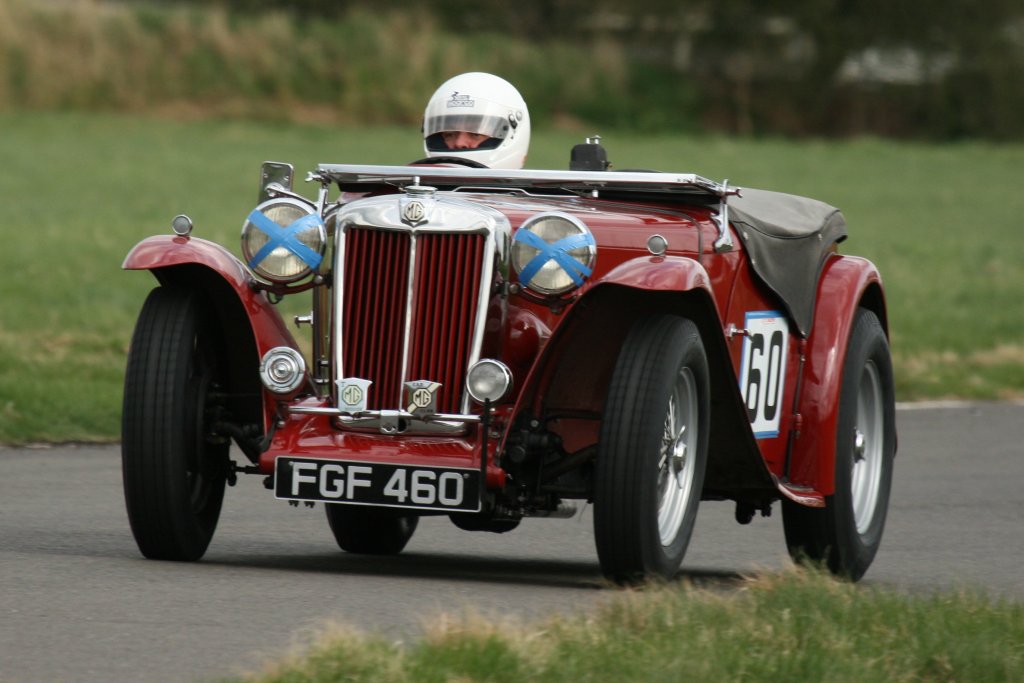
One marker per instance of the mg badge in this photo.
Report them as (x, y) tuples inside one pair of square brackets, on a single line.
[(414, 212), (352, 394), (421, 397)]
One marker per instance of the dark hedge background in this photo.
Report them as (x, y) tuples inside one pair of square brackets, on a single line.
[(936, 70)]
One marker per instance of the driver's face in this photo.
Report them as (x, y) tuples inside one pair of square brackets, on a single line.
[(457, 139)]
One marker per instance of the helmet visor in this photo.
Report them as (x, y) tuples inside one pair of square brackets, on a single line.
[(491, 126)]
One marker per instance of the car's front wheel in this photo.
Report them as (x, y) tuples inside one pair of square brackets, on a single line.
[(370, 531), (174, 469), (846, 533), (653, 450)]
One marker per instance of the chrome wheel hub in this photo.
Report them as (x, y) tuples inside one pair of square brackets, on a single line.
[(868, 448), (859, 445), (675, 467)]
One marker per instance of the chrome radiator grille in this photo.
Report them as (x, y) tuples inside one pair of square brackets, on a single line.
[(408, 310)]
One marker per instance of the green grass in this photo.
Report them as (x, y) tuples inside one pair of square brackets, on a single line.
[(78, 190), (802, 626)]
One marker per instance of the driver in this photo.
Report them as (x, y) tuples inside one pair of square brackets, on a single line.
[(477, 118)]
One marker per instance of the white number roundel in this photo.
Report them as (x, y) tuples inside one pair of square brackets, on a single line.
[(763, 370)]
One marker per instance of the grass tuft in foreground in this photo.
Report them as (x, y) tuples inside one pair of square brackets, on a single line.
[(799, 626)]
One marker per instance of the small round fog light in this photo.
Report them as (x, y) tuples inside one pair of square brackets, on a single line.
[(488, 380), (282, 369)]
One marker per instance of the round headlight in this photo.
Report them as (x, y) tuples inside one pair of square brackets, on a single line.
[(553, 253), (282, 369), (488, 380), (283, 240)]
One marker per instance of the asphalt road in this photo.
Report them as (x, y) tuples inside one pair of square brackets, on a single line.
[(78, 603)]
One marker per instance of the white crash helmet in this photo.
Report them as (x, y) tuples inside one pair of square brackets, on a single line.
[(479, 103)]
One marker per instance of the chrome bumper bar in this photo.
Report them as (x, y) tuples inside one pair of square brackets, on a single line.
[(392, 421)]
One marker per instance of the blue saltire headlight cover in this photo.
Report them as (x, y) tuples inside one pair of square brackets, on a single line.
[(286, 237), (558, 252), (553, 238)]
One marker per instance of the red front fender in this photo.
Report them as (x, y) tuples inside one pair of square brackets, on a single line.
[(163, 251), (576, 363), (251, 325), (846, 283), (660, 274)]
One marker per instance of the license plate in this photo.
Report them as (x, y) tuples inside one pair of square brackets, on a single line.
[(450, 489)]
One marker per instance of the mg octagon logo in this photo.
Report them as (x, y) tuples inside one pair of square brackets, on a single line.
[(421, 397), (414, 212), (353, 393)]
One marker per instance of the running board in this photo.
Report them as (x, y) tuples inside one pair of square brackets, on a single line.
[(800, 494)]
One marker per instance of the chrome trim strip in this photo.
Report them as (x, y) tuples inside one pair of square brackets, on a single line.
[(377, 414), (338, 338), (483, 299), (724, 242), (672, 183), (407, 325)]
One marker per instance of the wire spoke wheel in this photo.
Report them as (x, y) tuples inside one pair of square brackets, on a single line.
[(677, 466), (652, 451), (845, 535)]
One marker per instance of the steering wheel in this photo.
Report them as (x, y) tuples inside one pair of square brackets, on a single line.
[(448, 160)]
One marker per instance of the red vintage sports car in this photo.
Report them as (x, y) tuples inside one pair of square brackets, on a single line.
[(494, 345)]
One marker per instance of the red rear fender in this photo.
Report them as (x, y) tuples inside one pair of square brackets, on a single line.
[(846, 283)]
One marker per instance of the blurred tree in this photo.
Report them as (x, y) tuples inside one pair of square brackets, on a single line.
[(944, 68), (850, 66)]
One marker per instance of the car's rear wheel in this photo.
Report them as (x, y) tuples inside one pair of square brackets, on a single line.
[(174, 470), (846, 533), (371, 531), (653, 451)]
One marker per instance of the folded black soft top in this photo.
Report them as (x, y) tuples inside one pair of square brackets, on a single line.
[(788, 239)]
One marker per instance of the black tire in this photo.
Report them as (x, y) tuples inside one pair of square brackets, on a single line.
[(173, 469), (469, 521), (652, 451), (845, 535), (370, 531)]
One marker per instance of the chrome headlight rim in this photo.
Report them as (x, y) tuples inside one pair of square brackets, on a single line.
[(282, 369), (573, 254), (277, 236), (488, 380)]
